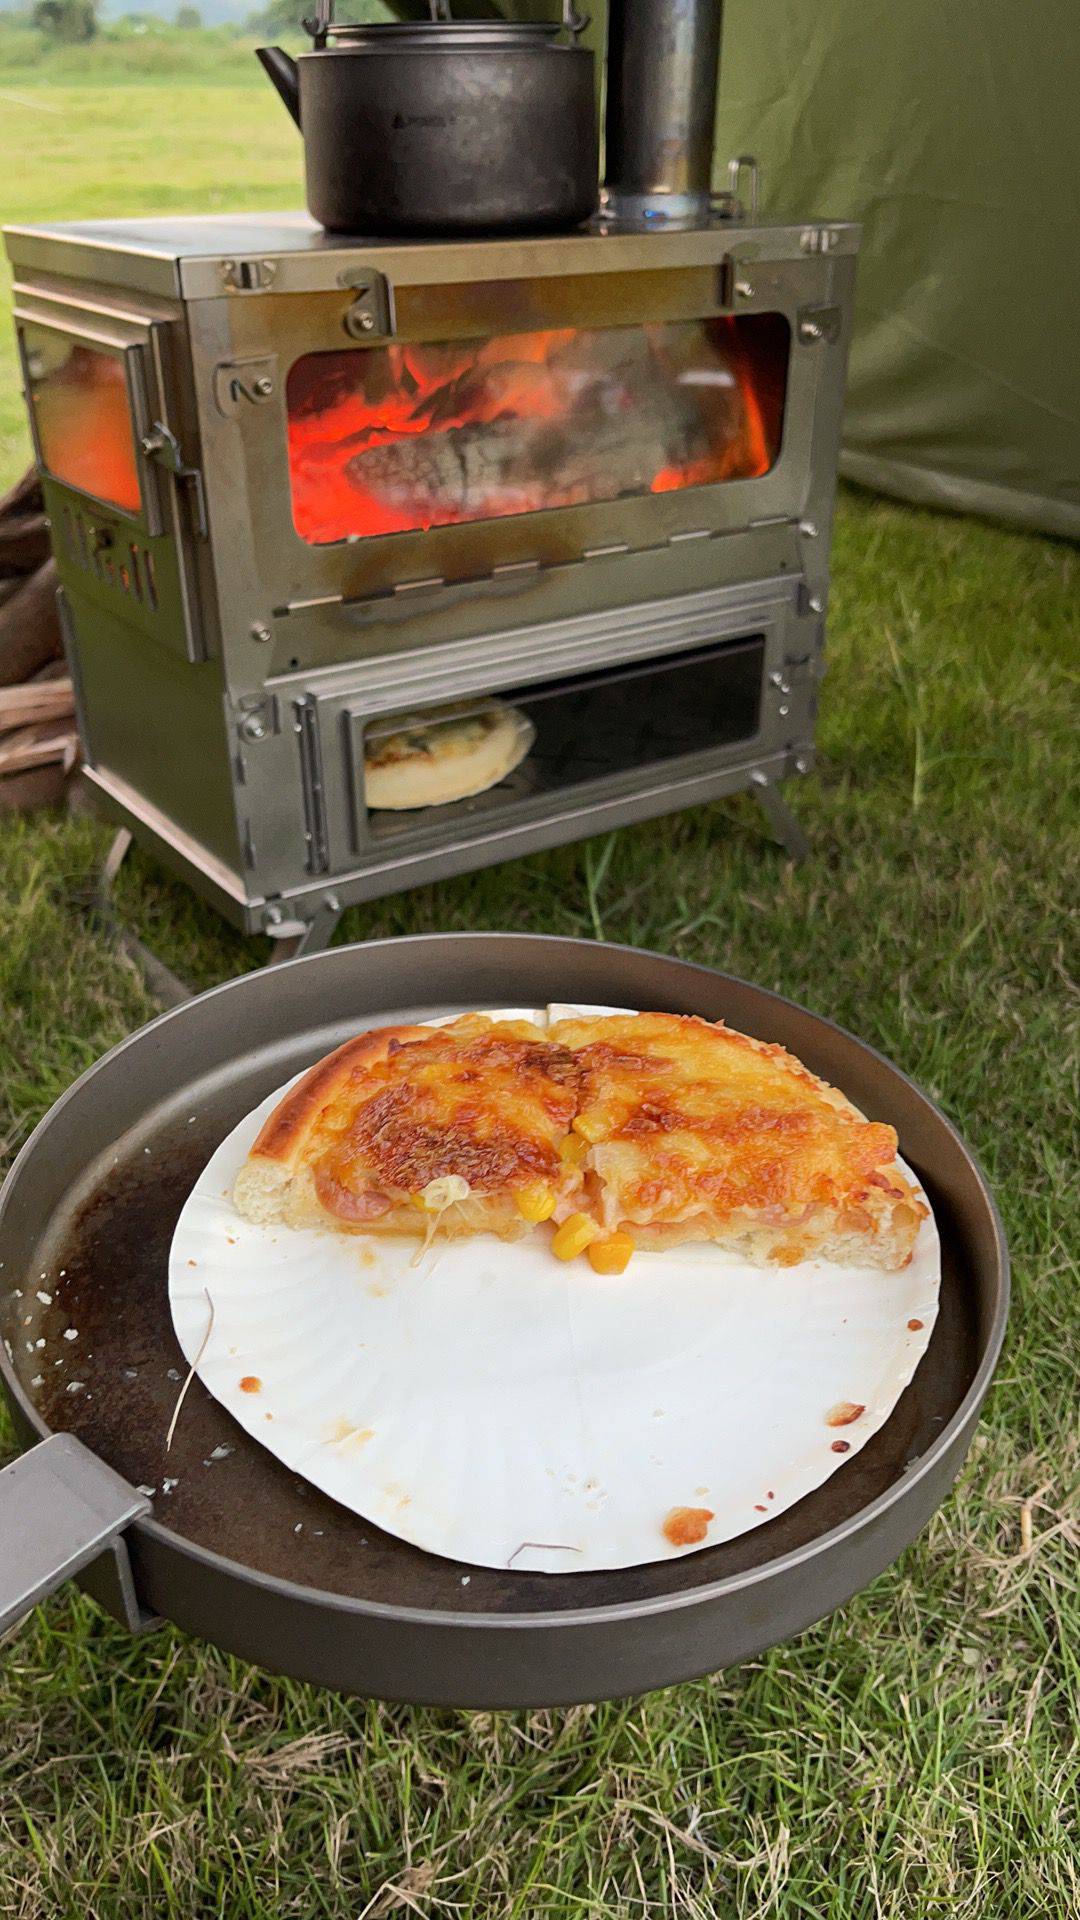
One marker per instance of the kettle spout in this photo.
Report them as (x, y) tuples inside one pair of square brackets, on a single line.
[(283, 73)]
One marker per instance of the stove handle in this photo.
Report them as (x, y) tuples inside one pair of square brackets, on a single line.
[(60, 1508)]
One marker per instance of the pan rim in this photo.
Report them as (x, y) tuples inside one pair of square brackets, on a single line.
[(709, 1593)]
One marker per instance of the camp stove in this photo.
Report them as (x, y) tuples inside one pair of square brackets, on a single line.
[(301, 485)]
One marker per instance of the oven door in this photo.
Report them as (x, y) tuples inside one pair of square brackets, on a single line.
[(500, 744), (127, 510), (543, 437)]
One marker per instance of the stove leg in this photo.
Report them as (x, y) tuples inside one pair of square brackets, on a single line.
[(165, 986), (310, 936), (785, 827)]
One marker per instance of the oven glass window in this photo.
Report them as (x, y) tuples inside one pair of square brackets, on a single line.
[(79, 398), (412, 772), (392, 439)]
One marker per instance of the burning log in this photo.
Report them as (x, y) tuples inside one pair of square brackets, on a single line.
[(517, 466), (545, 420)]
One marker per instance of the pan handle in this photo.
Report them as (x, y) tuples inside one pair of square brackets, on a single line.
[(60, 1507)]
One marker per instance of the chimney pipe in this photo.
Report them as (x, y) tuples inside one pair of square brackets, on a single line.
[(662, 69)]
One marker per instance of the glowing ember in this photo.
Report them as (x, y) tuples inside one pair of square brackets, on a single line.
[(396, 438), (84, 424)]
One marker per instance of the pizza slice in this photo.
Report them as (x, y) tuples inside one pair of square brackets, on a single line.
[(412, 1130), (690, 1131)]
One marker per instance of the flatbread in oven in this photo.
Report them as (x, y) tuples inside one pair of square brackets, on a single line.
[(446, 753)]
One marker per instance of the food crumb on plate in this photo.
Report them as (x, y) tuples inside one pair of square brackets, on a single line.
[(841, 1446), (687, 1526), (915, 1326), (250, 1383), (844, 1412)]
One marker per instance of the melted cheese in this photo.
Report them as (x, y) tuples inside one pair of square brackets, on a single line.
[(687, 1120), (486, 1103)]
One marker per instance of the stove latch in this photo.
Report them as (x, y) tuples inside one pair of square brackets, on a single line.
[(370, 313), (250, 382), (162, 446)]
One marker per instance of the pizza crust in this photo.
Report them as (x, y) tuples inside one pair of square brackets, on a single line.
[(431, 758), (656, 1128)]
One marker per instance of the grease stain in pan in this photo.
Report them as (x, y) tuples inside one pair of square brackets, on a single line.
[(114, 1252)]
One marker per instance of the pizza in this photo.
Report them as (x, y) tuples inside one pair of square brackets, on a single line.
[(409, 1130), (446, 753), (693, 1131), (622, 1131)]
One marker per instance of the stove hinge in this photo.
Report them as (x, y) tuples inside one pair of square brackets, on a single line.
[(317, 858)]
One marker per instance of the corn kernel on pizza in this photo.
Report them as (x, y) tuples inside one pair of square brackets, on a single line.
[(605, 1133)]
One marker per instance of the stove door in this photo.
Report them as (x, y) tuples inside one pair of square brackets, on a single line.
[(551, 434), (415, 762), (125, 507)]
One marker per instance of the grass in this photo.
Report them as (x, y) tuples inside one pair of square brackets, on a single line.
[(913, 1757)]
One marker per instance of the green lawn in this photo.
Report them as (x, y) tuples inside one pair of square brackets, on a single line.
[(913, 1758)]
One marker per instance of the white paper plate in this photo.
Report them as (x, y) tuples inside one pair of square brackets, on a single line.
[(498, 1406)]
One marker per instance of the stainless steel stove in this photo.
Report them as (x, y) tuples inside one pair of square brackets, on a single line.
[(300, 484)]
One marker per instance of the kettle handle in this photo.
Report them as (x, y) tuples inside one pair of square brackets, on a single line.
[(321, 23)]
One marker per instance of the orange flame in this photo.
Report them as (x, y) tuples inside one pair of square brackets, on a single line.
[(344, 405), (84, 425)]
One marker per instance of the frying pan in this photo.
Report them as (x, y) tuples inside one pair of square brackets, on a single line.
[(233, 1546)]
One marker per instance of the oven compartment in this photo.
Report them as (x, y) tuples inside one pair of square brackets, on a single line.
[(624, 707)]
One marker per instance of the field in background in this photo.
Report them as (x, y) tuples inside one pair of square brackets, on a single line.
[(915, 1756), (92, 152)]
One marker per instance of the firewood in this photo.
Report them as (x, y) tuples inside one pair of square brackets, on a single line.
[(29, 627), (36, 700), (39, 746), (23, 497), (40, 787), (24, 543)]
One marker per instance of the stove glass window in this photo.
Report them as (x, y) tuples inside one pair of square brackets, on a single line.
[(397, 438), (79, 399), (414, 773)]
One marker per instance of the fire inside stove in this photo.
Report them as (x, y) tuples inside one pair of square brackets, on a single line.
[(397, 438)]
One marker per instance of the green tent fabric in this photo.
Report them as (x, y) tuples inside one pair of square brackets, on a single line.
[(951, 129)]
